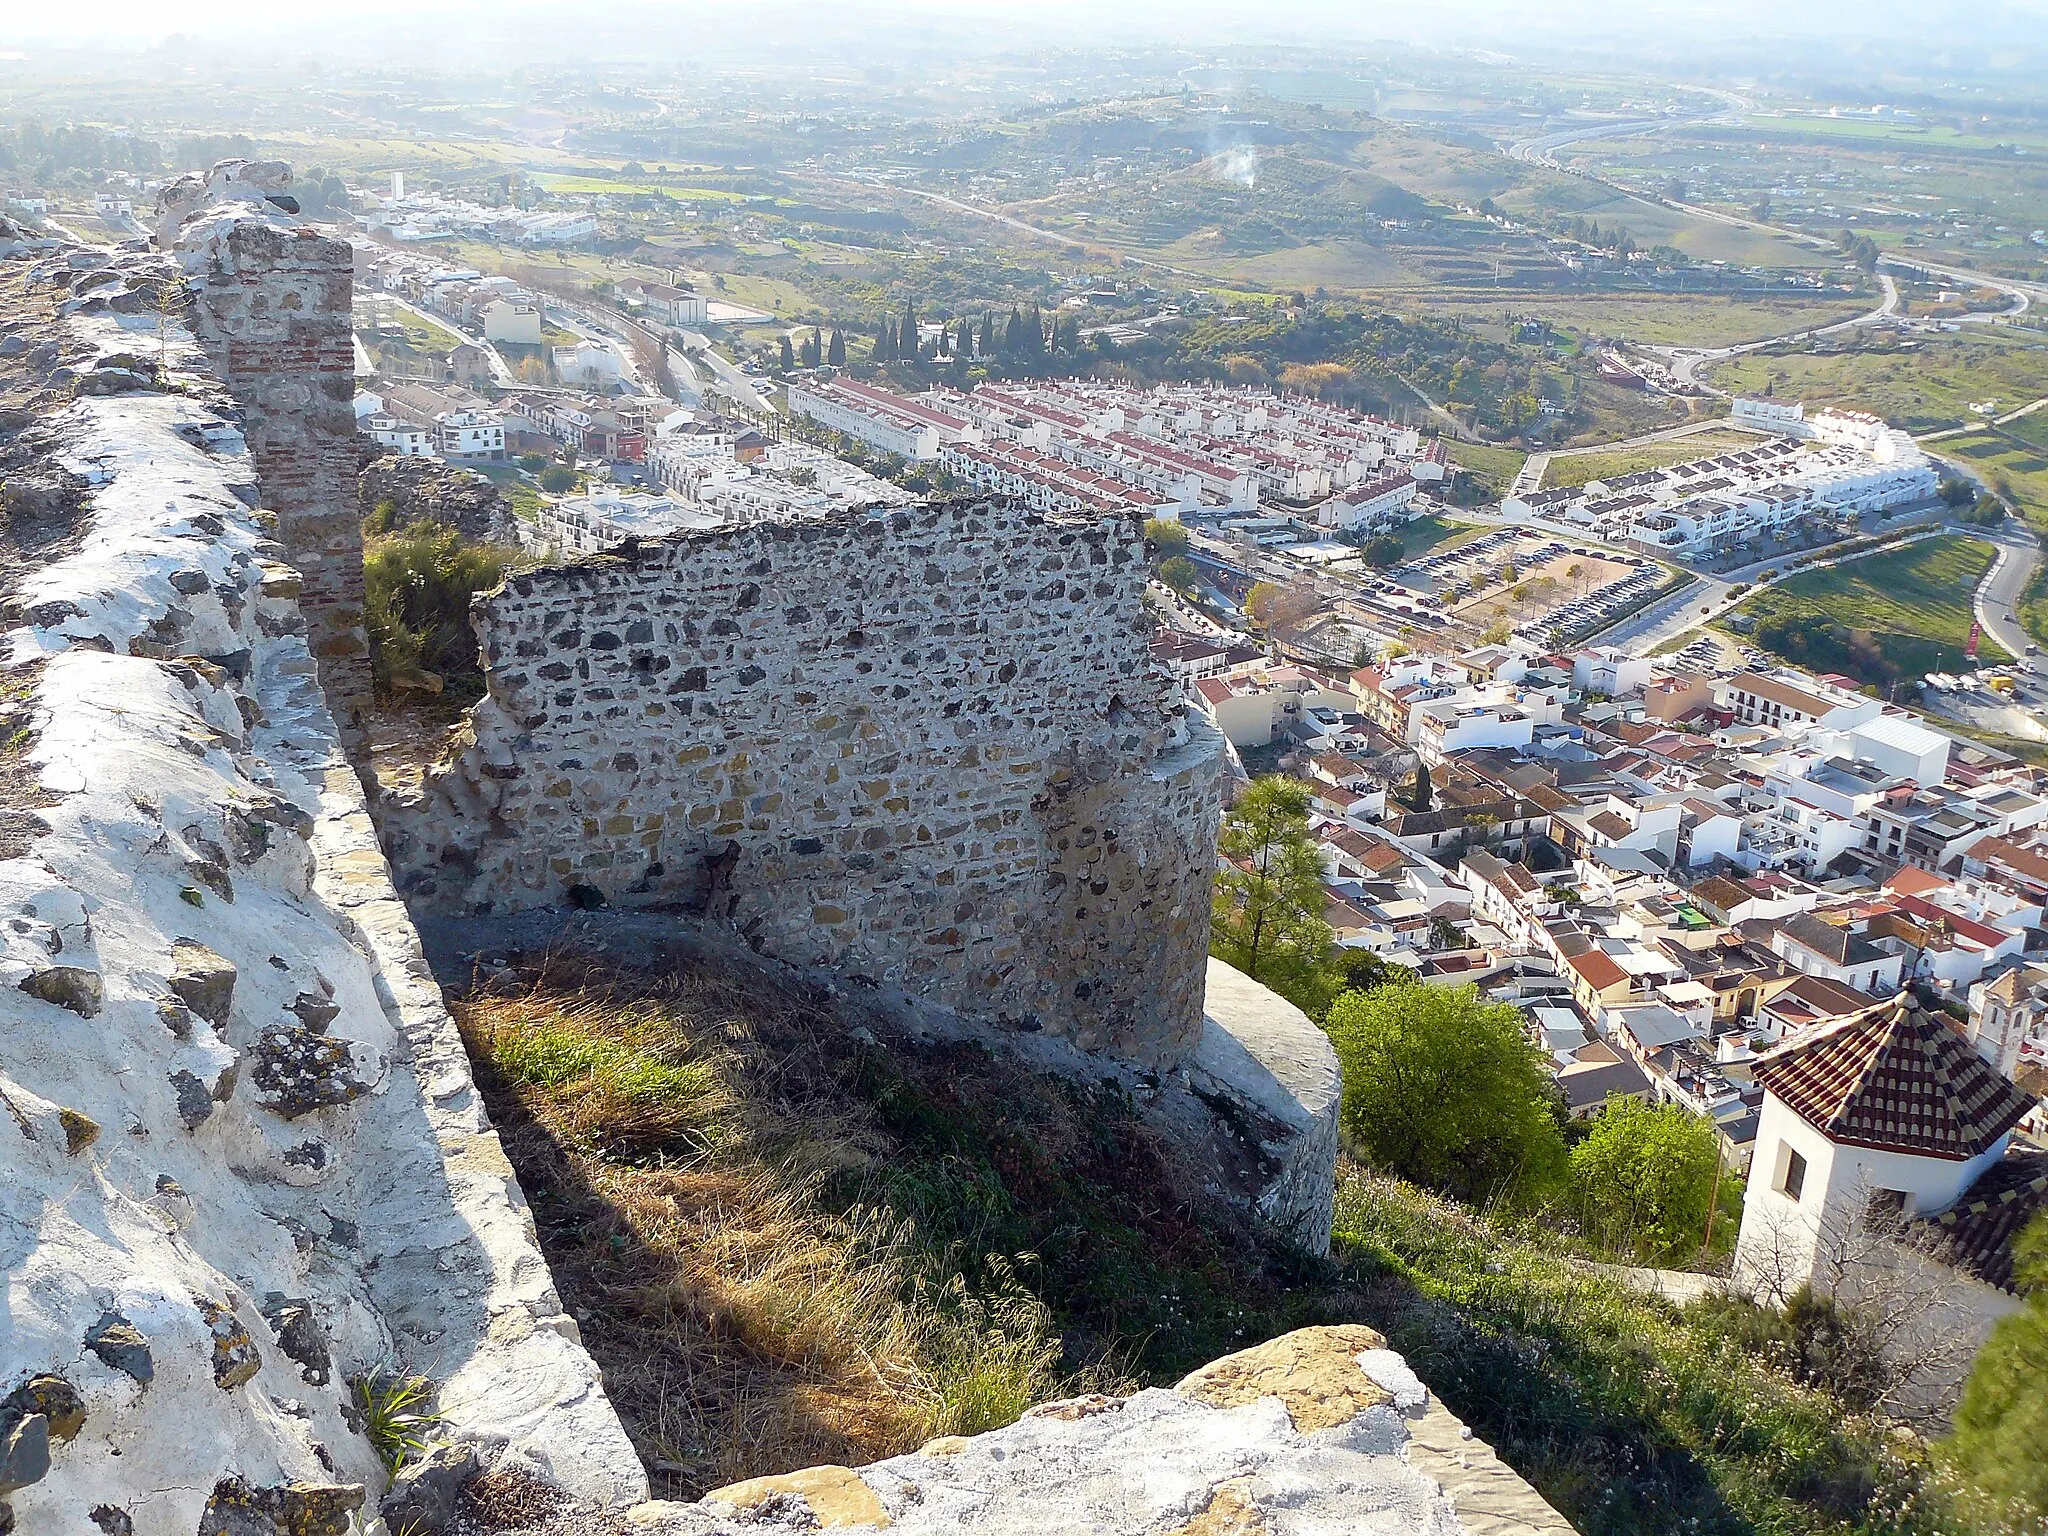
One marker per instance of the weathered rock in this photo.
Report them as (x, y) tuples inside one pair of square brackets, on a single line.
[(203, 981), (427, 490), (68, 986), (831, 1496), (80, 1130), (298, 1334), (24, 1453), (290, 1509), (298, 1071), (113, 1521), (120, 1344), (423, 1496), (195, 1101), (1314, 1371), (236, 1360), (51, 1397)]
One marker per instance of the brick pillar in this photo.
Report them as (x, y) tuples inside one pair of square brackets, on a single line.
[(271, 307)]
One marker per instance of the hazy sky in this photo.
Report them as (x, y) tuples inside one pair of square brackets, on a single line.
[(1982, 29)]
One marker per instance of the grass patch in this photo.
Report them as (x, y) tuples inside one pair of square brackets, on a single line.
[(1882, 619), (1578, 468), (2014, 467), (1629, 1414), (1496, 466), (1433, 533), (789, 1244), (1922, 387)]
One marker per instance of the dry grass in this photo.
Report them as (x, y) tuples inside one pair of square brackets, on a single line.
[(677, 1137)]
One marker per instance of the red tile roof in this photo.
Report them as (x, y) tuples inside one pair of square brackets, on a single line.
[(1598, 968), (1896, 1078), (1976, 1233)]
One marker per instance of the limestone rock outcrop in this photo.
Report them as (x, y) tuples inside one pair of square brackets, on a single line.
[(242, 1163), (1321, 1430)]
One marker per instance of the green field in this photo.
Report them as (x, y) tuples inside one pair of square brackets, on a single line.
[(1922, 388), (1706, 319), (611, 186), (1578, 468), (2017, 470), (1497, 466), (1890, 617)]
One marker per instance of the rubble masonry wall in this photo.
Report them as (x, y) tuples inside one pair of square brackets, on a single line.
[(928, 746)]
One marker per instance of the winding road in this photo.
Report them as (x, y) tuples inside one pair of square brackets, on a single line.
[(1685, 360)]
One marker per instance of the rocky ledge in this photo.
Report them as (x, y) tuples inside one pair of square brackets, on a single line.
[(1325, 1430)]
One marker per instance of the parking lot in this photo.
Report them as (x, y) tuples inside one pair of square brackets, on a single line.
[(1535, 586)]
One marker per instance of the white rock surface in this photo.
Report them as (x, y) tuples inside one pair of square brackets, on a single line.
[(1324, 1456), (324, 1142), (1262, 1054)]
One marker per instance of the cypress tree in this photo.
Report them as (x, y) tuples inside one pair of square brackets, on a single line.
[(788, 357), (906, 348), (837, 356)]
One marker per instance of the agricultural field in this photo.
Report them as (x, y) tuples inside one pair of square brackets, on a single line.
[(1579, 468), (1923, 384), (1704, 319), (1883, 619)]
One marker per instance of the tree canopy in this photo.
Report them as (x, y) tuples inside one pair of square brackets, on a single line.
[(2001, 1440), (1267, 915), (1443, 1088), (1642, 1179)]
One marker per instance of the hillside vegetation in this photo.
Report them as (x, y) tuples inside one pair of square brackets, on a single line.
[(1883, 619), (790, 1238)]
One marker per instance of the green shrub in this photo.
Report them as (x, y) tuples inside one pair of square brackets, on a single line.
[(1443, 1088), (417, 587)]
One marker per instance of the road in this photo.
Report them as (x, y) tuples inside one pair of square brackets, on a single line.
[(1685, 360), (1541, 150), (1999, 591)]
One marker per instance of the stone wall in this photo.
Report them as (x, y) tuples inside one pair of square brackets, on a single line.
[(270, 302), (926, 746), (242, 1161)]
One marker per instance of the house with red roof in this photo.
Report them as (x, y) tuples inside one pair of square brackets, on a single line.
[(1884, 1146)]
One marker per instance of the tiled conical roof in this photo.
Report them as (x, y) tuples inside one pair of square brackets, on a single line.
[(1897, 1078)]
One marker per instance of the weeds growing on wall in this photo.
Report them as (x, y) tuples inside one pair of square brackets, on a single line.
[(418, 582)]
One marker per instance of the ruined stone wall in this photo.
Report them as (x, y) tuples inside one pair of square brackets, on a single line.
[(270, 303), (927, 746)]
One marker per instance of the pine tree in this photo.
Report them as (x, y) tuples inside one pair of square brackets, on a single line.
[(837, 356)]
